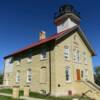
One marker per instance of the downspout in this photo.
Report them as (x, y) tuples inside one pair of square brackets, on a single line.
[(49, 70)]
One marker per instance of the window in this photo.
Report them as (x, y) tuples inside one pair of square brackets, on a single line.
[(29, 59), (10, 60), (85, 58), (68, 74), (75, 37), (86, 74), (29, 75), (18, 61), (43, 54), (82, 74), (43, 75), (77, 56), (66, 52), (18, 76)]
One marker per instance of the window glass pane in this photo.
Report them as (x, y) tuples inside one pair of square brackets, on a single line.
[(43, 54), (68, 74), (66, 52), (29, 75), (18, 76)]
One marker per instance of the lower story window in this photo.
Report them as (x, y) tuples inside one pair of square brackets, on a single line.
[(82, 74), (68, 74), (86, 74), (18, 76), (29, 75)]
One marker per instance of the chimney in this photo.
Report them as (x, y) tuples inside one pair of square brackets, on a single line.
[(42, 35)]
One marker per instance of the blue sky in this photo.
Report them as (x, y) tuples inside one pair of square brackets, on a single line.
[(22, 20)]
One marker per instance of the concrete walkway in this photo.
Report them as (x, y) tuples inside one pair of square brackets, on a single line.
[(29, 98), (5, 94)]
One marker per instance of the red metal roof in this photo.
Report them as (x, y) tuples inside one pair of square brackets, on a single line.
[(55, 36)]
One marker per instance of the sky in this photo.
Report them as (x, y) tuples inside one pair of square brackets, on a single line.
[(22, 20)]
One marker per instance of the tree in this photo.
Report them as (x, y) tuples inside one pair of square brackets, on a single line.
[(97, 75)]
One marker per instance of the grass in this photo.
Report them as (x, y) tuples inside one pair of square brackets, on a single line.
[(37, 95), (7, 98), (8, 91)]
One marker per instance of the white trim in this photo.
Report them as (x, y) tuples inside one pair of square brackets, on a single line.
[(18, 76), (69, 74), (29, 75)]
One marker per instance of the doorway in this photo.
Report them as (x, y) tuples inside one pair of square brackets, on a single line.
[(78, 77)]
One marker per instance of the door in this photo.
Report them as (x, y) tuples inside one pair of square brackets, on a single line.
[(78, 74)]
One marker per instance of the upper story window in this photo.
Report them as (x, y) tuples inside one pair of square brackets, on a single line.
[(29, 58), (68, 74), (10, 60), (29, 75), (77, 56), (85, 58), (43, 54), (18, 61), (66, 52), (75, 37), (18, 76)]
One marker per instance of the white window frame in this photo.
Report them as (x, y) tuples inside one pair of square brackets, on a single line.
[(66, 53), (18, 76), (18, 61), (29, 58), (29, 75), (77, 55), (43, 54), (68, 74), (85, 58), (86, 74)]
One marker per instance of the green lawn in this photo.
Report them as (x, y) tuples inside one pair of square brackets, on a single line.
[(37, 95), (7, 98), (8, 91)]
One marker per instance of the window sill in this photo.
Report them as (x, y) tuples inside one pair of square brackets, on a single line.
[(28, 62), (17, 64), (17, 82), (67, 59), (43, 82), (43, 59), (28, 82), (68, 81)]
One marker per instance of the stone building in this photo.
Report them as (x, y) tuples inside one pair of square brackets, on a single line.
[(57, 65)]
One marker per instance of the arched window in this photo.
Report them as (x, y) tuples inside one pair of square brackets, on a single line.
[(29, 75), (43, 75), (18, 76)]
